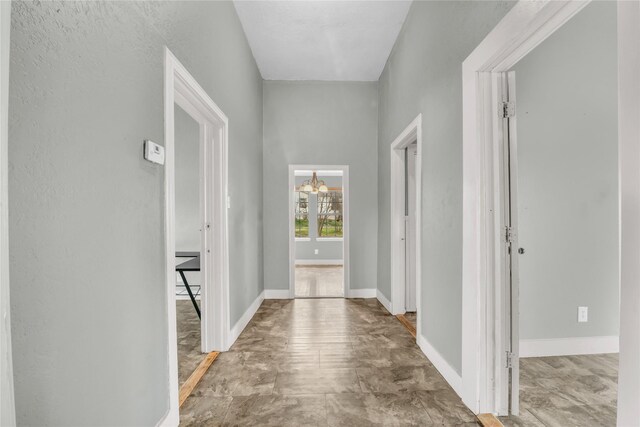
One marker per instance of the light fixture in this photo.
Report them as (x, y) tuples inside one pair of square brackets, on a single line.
[(314, 186)]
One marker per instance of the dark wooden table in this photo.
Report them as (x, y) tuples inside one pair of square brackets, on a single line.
[(192, 265)]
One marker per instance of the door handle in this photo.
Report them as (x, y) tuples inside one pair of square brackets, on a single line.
[(521, 251)]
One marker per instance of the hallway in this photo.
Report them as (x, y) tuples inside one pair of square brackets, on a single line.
[(324, 362)]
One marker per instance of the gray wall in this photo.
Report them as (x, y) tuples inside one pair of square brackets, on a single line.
[(568, 179), (327, 250), (86, 211), (324, 123), (424, 75)]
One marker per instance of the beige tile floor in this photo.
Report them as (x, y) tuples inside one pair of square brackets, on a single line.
[(188, 325), (319, 281), (324, 362), (567, 391)]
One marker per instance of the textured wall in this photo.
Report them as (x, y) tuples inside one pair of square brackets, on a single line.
[(321, 123), (424, 75), (568, 219), (86, 215)]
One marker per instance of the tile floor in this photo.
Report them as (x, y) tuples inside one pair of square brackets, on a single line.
[(188, 325), (322, 362), (319, 281), (567, 391)]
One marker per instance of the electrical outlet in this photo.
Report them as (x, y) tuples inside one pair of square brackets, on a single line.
[(583, 314), (316, 251)]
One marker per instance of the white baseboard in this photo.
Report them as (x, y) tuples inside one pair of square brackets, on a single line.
[(186, 297), (569, 346), (245, 319), (383, 300), (449, 374), (362, 293), (170, 419), (276, 294), (319, 262)]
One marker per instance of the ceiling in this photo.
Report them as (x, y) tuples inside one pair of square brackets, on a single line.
[(321, 40)]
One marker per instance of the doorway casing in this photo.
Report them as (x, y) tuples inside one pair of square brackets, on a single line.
[(486, 312), (181, 89), (345, 223)]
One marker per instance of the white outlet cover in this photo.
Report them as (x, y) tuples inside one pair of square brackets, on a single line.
[(316, 251), (583, 314)]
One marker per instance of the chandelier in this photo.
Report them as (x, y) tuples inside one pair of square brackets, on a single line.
[(314, 186)]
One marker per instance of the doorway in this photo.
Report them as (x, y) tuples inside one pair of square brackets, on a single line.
[(562, 224), (199, 243), (406, 161), (318, 231)]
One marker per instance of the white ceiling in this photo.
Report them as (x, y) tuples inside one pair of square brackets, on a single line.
[(321, 40)]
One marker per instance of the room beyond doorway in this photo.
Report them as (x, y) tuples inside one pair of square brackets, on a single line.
[(318, 231)]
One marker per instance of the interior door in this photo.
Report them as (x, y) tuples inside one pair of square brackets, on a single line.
[(512, 251), (410, 227)]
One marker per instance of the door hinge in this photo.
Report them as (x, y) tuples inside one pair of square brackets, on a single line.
[(509, 360), (509, 234), (508, 109)]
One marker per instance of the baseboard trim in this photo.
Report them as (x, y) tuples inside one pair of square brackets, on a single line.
[(319, 262), (383, 300), (245, 319), (186, 298), (569, 346), (362, 293), (277, 294), (170, 419), (446, 370)]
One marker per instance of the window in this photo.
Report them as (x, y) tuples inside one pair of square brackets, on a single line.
[(330, 214), (302, 214)]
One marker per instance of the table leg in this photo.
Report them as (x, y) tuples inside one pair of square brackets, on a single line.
[(193, 299)]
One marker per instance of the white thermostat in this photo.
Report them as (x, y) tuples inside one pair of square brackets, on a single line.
[(153, 152)]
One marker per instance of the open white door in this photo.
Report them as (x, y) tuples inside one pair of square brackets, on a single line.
[(511, 298), (410, 228)]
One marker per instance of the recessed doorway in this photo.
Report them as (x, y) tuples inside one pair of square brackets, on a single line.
[(406, 155), (318, 229)]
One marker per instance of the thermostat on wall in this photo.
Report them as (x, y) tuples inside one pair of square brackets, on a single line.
[(153, 152)]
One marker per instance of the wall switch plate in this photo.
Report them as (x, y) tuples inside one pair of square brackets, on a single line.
[(153, 152), (583, 314), (316, 251)]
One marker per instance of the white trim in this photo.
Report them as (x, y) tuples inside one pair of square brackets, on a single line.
[(341, 169), (303, 239), (245, 319), (186, 298), (362, 293), (569, 346), (277, 294), (7, 405), (383, 300), (180, 88), (319, 262), (448, 373), (523, 28), (629, 155), (329, 239), (413, 132)]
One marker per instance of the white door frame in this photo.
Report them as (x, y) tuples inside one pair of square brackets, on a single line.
[(7, 405), (181, 89), (345, 225), (412, 133), (484, 311)]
